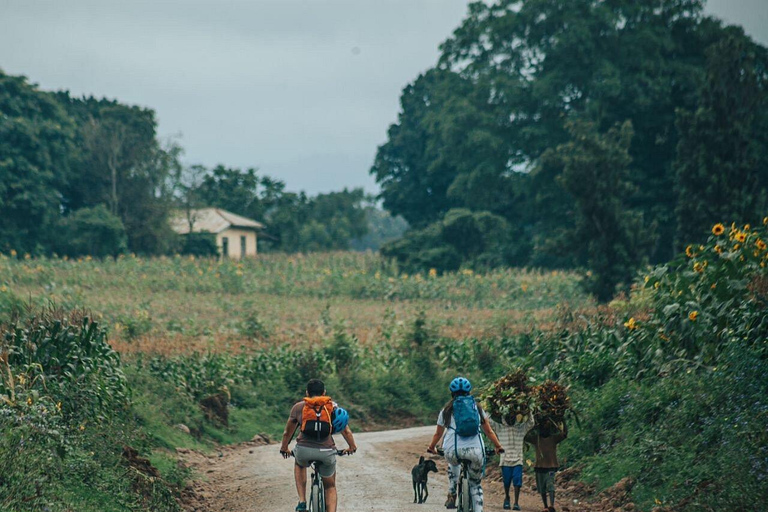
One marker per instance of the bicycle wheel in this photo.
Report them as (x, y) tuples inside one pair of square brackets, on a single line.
[(316, 498), (465, 497)]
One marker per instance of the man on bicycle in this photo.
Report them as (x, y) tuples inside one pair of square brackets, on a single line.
[(459, 424), (317, 417)]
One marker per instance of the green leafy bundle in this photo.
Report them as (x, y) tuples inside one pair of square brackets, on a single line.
[(509, 399)]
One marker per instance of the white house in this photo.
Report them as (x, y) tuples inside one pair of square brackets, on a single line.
[(236, 236)]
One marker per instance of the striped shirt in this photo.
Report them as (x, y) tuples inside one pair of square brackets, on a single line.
[(512, 439)]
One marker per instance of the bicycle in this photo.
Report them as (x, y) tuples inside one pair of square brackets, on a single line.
[(316, 501), (464, 501)]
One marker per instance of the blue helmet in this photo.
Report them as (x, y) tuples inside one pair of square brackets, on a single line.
[(340, 420), (460, 384)]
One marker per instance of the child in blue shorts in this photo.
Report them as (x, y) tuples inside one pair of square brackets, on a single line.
[(512, 438)]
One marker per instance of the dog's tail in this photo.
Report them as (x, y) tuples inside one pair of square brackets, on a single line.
[(421, 459)]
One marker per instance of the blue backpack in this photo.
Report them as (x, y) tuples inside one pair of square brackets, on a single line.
[(466, 416)]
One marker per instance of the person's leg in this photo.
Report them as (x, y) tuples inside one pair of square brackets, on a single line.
[(330, 493), (475, 479), (506, 473), (300, 474), (453, 478), (541, 486), (517, 483), (551, 488)]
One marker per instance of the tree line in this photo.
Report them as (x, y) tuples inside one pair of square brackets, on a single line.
[(88, 176), (589, 133)]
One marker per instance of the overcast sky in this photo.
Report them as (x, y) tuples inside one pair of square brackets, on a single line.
[(302, 89)]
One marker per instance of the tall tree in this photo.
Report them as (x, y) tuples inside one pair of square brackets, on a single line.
[(722, 157), (37, 142), (596, 171), (122, 165)]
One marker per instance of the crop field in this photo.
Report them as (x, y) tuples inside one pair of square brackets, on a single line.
[(177, 305)]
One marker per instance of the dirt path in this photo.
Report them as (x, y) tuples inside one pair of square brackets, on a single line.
[(251, 478)]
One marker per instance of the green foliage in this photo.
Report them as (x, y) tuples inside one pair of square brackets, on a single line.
[(520, 83), (199, 244), (595, 172), (477, 239), (64, 419), (92, 231), (722, 155), (37, 143)]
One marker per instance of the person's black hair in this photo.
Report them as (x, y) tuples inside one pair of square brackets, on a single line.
[(454, 394), (315, 387)]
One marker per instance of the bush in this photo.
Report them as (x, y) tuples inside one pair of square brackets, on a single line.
[(92, 232), (199, 244), (64, 420)]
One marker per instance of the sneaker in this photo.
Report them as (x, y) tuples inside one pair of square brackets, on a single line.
[(301, 507), (506, 504), (451, 501), (516, 507), (551, 509)]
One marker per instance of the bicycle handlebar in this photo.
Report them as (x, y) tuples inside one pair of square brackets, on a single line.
[(488, 452), (340, 453)]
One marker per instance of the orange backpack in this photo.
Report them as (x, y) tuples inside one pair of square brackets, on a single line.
[(316, 417)]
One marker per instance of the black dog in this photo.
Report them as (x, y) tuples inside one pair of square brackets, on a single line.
[(420, 474)]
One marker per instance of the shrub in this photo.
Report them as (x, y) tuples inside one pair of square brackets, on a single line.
[(92, 232)]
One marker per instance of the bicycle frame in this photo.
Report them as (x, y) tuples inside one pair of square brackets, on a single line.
[(464, 501), (316, 501)]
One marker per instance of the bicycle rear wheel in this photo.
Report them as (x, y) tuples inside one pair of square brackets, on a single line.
[(465, 498), (316, 498)]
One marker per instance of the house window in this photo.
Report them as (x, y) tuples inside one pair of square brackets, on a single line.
[(225, 247), (242, 246)]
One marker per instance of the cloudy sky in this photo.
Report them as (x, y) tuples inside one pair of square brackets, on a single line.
[(302, 89)]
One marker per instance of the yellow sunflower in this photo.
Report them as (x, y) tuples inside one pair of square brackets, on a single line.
[(693, 315), (741, 236), (689, 251), (718, 229), (760, 244), (631, 324)]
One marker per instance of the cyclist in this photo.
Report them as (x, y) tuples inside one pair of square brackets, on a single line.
[(317, 417), (461, 420)]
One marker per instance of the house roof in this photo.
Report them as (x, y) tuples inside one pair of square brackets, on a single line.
[(211, 220)]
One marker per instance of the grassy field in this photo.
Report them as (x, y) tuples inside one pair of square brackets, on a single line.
[(182, 305)]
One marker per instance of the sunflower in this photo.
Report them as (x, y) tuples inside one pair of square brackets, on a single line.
[(689, 251), (698, 267), (760, 244), (719, 249), (693, 315), (741, 236), (631, 324), (718, 229)]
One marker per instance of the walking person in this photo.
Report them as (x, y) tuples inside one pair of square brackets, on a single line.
[(512, 437), (545, 439), (459, 424), (317, 417)]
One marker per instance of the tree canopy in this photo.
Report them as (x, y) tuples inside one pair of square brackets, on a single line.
[(520, 81)]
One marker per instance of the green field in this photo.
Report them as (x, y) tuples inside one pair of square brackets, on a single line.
[(181, 305)]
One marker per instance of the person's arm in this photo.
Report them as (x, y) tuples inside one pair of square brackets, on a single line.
[(436, 439), (531, 436), (564, 433), (530, 423), (350, 439), (492, 436), (290, 429)]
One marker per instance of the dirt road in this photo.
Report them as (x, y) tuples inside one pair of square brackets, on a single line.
[(249, 478)]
